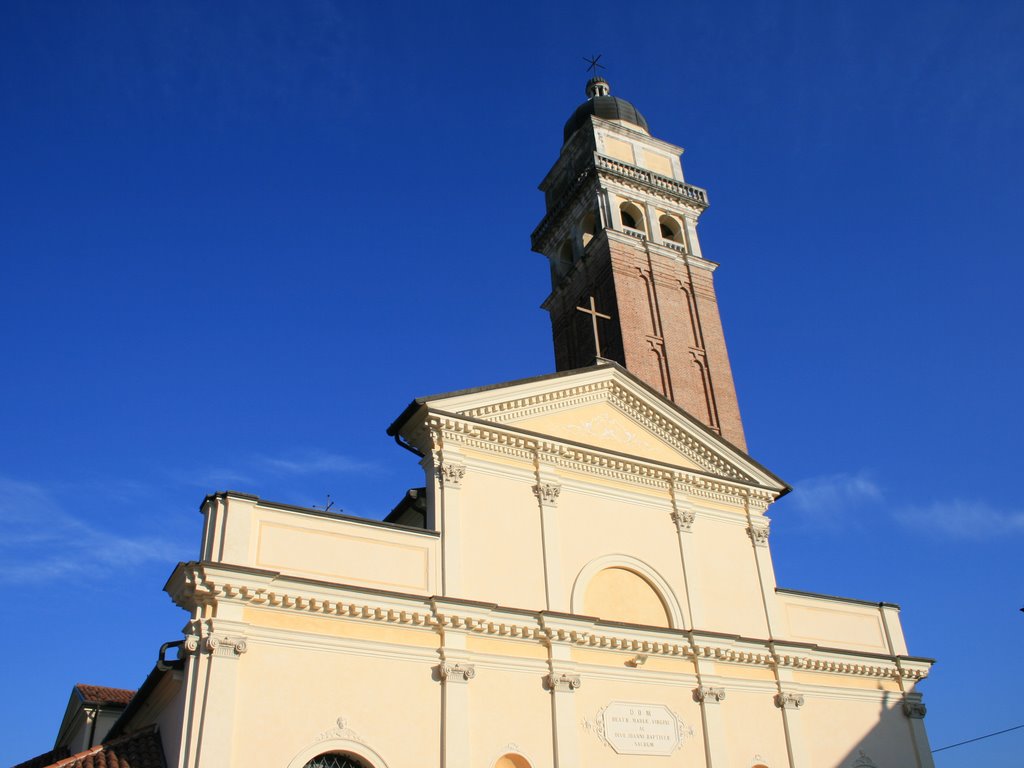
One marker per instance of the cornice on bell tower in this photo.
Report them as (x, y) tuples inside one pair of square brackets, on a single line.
[(621, 229)]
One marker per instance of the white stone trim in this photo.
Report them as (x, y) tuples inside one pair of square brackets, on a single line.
[(204, 586)]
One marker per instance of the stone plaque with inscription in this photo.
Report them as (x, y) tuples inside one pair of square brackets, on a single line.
[(632, 728)]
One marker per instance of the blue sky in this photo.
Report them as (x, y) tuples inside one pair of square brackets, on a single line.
[(237, 238)]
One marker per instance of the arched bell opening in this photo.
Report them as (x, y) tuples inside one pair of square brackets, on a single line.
[(631, 216), (671, 229)]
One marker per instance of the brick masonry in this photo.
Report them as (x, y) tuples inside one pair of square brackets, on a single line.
[(665, 327)]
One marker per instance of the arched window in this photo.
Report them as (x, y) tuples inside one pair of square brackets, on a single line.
[(631, 216), (670, 229), (336, 760)]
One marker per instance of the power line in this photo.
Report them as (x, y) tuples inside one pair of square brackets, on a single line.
[(978, 738)]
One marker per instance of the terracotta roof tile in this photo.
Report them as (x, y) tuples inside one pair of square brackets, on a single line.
[(100, 694), (141, 749)]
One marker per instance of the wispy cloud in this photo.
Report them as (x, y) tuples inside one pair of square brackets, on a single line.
[(838, 500), (961, 519), (839, 492), (316, 463), (42, 541), (250, 471)]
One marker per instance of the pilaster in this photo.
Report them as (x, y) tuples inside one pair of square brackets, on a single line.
[(213, 651), (915, 710), (758, 529), (455, 713), (562, 686), (684, 517), (716, 744), (791, 704), (547, 489), (449, 472), (562, 681)]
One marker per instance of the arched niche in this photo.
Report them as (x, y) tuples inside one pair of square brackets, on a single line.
[(512, 760), (338, 746), (623, 588)]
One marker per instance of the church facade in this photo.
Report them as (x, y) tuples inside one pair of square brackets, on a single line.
[(585, 578)]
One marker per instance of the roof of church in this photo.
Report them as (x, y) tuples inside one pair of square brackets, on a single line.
[(141, 749), (100, 694), (605, 106)]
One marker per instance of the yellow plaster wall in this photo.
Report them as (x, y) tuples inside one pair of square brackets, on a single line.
[(509, 706), (730, 587), (835, 624), (753, 726), (878, 727), (620, 150), (287, 696), (745, 672), (502, 560), (526, 649), (846, 681), (658, 163), (342, 627), (352, 554)]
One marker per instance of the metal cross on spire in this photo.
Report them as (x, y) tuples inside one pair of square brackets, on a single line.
[(593, 62), (594, 314)]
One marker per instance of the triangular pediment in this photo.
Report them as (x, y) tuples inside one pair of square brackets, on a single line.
[(607, 409)]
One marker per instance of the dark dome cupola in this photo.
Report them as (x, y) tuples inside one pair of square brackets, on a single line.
[(601, 103)]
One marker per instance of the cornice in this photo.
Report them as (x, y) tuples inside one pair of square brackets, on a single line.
[(197, 585), (528, 447), (627, 403)]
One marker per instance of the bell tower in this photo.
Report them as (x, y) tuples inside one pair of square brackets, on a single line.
[(629, 282)]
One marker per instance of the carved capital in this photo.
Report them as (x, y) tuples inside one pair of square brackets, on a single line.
[(684, 518), (789, 700), (563, 682), (707, 694), (191, 643), (450, 473), (915, 710), (547, 493), (457, 673), (758, 534), (211, 644)]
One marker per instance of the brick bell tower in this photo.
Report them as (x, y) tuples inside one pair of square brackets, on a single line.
[(620, 234)]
